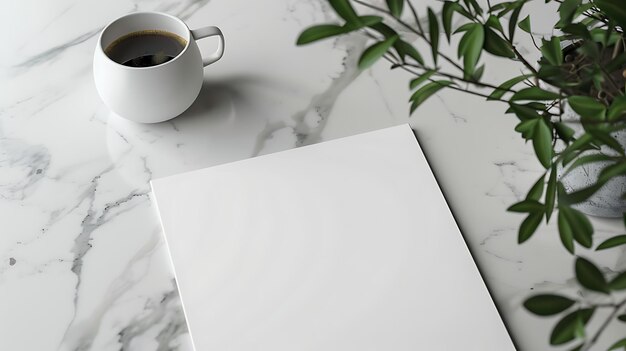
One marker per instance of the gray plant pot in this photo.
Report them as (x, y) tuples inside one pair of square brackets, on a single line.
[(608, 201)]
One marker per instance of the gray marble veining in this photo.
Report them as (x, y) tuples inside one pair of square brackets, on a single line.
[(83, 265)]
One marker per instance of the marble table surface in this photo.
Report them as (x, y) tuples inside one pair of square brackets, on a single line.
[(83, 265)]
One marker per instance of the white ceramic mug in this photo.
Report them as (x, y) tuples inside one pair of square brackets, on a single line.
[(156, 93)]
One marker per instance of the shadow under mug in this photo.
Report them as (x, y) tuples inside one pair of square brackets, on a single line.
[(156, 93)]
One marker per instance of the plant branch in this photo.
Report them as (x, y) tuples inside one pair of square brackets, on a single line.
[(373, 36), (419, 33), (519, 54), (604, 325), (405, 68), (451, 76), (532, 37), (417, 19), (612, 81), (589, 15), (617, 48)]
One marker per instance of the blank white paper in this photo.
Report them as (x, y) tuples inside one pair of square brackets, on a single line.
[(343, 245)]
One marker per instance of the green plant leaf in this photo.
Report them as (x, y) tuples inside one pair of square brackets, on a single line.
[(374, 52), (536, 190), (617, 109), (474, 39), (569, 157), (611, 171), (478, 73), (534, 93), (405, 49), (582, 8), (565, 232), (395, 7), (583, 160), (506, 86), (527, 206), (495, 45), (577, 29), (542, 143), (368, 21), (551, 193), (464, 28), (550, 73), (529, 226), (421, 79), (517, 8), (566, 329), (563, 131), (618, 345), (579, 331), (619, 282), (433, 31), (582, 230), (470, 47), (474, 5), (622, 317), (494, 22), (612, 242), (589, 276), (502, 6), (604, 36), (551, 51), (525, 24), (579, 144), (560, 194), (423, 93), (319, 32), (588, 108), (527, 128), (402, 47), (384, 29), (590, 49), (613, 9), (523, 112), (548, 304), (567, 9), (583, 194), (365, 21), (449, 7), (344, 10)]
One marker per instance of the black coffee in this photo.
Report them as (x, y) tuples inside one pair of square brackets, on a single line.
[(145, 48)]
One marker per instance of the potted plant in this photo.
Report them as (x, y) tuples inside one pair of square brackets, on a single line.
[(571, 106)]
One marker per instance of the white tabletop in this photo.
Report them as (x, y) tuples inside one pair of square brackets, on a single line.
[(83, 265)]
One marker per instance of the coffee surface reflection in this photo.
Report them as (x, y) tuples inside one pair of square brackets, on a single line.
[(145, 48)]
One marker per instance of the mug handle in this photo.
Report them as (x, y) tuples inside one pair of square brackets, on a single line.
[(210, 31)]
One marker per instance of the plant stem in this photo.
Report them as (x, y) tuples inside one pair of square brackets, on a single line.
[(475, 93), (616, 49), (417, 19), (419, 33), (612, 81), (451, 76), (404, 67), (604, 325), (420, 29), (519, 55)]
